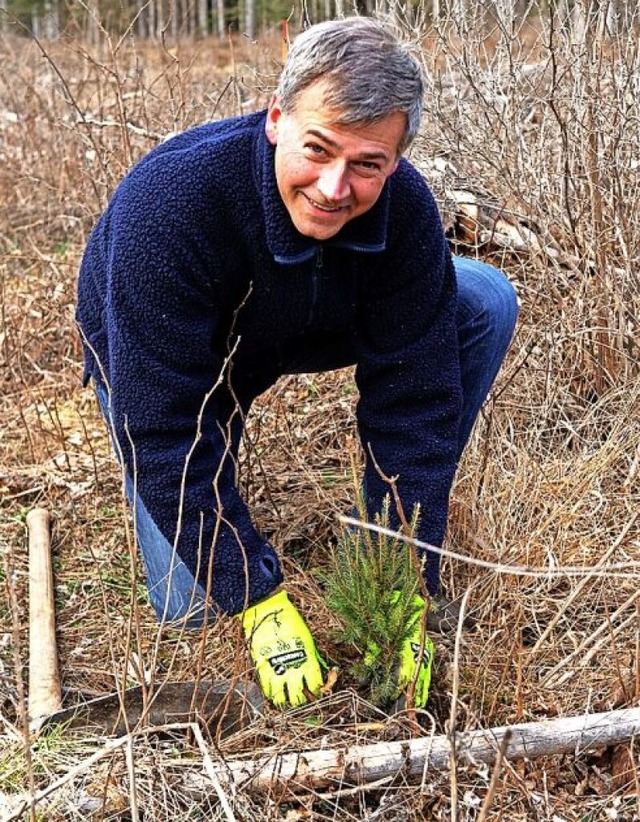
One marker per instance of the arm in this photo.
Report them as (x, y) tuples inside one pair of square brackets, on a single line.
[(408, 372), (166, 325)]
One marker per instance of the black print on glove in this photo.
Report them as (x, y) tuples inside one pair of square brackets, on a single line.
[(426, 656), (288, 659)]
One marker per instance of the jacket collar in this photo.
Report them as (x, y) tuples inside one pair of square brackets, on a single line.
[(367, 233)]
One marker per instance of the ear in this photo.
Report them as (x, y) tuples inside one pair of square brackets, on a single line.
[(394, 166), (273, 116)]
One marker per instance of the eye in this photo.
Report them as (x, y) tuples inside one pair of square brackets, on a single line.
[(367, 168), (315, 149)]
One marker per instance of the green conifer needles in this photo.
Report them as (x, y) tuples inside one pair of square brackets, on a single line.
[(371, 585)]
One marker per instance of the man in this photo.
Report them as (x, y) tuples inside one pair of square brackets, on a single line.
[(285, 241)]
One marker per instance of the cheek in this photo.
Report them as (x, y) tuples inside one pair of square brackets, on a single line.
[(367, 192), (293, 169)]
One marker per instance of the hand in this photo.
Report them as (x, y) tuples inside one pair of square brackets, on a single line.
[(411, 659), (408, 665), (283, 651)]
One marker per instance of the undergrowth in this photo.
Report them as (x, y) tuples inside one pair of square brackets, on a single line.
[(530, 144)]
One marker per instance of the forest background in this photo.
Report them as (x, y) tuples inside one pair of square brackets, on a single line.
[(530, 142)]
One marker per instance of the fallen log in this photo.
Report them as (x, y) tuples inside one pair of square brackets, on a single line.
[(409, 760)]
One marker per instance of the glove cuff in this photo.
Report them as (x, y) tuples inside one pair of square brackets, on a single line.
[(256, 613)]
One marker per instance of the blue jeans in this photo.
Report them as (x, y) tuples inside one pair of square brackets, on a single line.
[(487, 313)]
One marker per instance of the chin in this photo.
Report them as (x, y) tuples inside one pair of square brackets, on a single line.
[(319, 234), (309, 228)]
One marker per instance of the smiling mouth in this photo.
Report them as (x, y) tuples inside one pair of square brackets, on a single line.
[(326, 208)]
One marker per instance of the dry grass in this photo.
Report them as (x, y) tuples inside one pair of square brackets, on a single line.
[(546, 124)]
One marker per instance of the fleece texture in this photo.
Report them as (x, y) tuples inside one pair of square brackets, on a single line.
[(196, 290)]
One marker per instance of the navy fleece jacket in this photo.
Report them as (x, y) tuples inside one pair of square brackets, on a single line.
[(194, 288)]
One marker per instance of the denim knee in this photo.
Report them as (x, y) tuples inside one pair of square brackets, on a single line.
[(487, 299), (486, 318)]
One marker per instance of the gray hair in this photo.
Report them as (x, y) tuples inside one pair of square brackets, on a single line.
[(371, 72)]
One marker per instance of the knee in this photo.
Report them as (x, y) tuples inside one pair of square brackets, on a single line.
[(501, 304), (486, 298), (506, 296)]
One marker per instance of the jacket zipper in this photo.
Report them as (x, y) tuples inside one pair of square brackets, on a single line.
[(315, 283)]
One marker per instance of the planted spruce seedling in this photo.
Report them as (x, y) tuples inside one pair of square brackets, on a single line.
[(371, 585)]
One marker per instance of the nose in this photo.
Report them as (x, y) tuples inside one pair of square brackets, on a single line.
[(333, 181)]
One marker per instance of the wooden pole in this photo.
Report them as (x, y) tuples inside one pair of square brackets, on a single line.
[(44, 678)]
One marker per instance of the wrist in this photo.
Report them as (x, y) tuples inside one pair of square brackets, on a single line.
[(265, 609), (278, 589)]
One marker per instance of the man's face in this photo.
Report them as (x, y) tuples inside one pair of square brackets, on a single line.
[(329, 174)]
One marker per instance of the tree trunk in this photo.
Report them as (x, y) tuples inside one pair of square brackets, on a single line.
[(142, 20), (91, 22), (150, 11), (174, 19), (203, 18), (250, 19), (615, 12), (51, 20), (36, 24), (360, 765)]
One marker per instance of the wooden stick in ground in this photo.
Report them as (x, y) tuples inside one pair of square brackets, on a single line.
[(405, 760), (44, 678)]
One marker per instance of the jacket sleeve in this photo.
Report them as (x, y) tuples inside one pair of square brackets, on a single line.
[(176, 427), (409, 372)]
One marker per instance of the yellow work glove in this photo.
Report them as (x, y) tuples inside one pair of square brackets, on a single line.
[(410, 657), (283, 651), (409, 664)]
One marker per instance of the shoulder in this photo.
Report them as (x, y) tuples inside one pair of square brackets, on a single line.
[(409, 191), (414, 217), (193, 165), (218, 135)]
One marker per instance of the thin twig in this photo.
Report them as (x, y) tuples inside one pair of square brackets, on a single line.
[(211, 772), (131, 770), (622, 570), (453, 765), (495, 775)]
